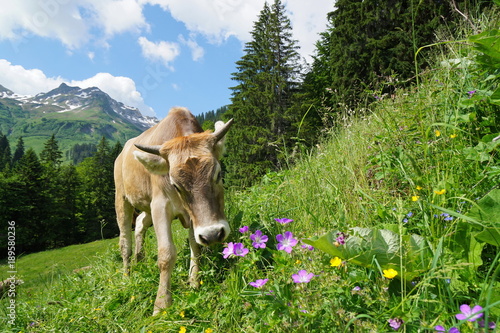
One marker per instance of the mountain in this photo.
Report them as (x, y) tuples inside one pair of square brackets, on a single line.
[(73, 114)]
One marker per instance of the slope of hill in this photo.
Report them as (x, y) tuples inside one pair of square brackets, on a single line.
[(73, 114)]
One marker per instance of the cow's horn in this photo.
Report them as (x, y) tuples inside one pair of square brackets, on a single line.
[(220, 132), (149, 149)]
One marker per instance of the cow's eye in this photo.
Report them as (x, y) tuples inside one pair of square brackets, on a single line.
[(219, 177), (177, 188)]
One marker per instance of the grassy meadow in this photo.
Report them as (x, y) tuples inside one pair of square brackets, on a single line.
[(400, 202)]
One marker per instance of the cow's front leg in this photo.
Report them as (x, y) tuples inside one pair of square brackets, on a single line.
[(194, 264), (166, 257)]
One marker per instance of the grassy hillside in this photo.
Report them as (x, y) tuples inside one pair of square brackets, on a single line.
[(417, 171)]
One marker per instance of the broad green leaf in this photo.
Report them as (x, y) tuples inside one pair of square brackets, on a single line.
[(487, 211), (373, 248)]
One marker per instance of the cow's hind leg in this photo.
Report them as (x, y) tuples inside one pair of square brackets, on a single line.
[(124, 216), (142, 223)]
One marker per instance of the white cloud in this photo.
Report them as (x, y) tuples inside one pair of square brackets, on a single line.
[(26, 81), (120, 88), (217, 19), (33, 81), (220, 19), (197, 52), (118, 16), (163, 52), (77, 22), (73, 22)]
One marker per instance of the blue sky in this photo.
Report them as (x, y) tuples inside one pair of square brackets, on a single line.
[(150, 54)]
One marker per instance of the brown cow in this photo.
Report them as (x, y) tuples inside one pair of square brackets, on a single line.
[(175, 174)]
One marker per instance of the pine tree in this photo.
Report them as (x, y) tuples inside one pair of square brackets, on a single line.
[(32, 209), (267, 77), (370, 45), (5, 153), (19, 152), (51, 156), (98, 190)]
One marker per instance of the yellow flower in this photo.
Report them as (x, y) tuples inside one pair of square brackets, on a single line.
[(335, 262), (132, 298), (443, 191), (182, 329), (390, 273), (453, 136), (201, 282), (298, 262), (182, 314), (209, 330), (437, 132), (415, 198), (419, 187)]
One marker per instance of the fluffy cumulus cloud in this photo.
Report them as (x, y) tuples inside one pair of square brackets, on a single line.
[(77, 22), (73, 22), (220, 19), (33, 81), (197, 52), (26, 81), (120, 88), (163, 52)]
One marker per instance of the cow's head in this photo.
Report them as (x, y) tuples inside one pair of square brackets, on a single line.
[(192, 166)]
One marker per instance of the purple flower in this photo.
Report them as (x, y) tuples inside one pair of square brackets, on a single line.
[(286, 241), (440, 328), (244, 229), (307, 247), (302, 276), (468, 313), (259, 283), (410, 214), (472, 92), (357, 288), (259, 240), (395, 323), (491, 324), (341, 237), (236, 249), (283, 220)]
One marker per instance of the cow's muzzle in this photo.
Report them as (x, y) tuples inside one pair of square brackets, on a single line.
[(209, 235)]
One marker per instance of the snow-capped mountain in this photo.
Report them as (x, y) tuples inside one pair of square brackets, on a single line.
[(72, 114), (75, 99)]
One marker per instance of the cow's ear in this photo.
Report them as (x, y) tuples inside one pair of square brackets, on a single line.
[(153, 163)]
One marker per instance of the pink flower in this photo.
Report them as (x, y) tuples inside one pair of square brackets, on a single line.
[(259, 283), (286, 241), (468, 313), (283, 220), (244, 229), (395, 323), (236, 249), (259, 240), (302, 276)]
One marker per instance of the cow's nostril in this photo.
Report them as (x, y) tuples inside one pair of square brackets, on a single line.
[(221, 235), (203, 240)]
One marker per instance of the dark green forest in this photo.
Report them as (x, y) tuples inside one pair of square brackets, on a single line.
[(55, 204), (281, 107)]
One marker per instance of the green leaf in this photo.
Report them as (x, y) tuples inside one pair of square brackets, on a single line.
[(487, 211), (374, 248), (488, 42)]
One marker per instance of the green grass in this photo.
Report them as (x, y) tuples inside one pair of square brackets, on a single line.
[(44, 267), (396, 167)]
